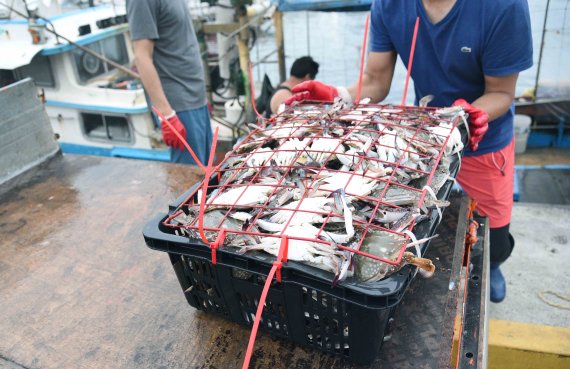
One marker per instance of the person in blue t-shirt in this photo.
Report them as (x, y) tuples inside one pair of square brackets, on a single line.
[(468, 53)]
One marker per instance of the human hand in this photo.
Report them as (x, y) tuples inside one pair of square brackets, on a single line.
[(478, 122), (313, 90), (168, 134)]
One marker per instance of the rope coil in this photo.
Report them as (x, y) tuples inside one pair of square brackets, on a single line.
[(542, 296)]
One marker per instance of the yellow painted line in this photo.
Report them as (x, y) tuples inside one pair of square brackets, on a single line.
[(514, 345)]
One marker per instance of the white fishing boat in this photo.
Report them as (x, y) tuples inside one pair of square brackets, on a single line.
[(93, 107), (96, 108)]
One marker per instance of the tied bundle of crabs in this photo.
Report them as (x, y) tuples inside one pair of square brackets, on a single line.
[(345, 184)]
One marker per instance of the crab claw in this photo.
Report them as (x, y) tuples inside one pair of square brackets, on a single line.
[(427, 269)]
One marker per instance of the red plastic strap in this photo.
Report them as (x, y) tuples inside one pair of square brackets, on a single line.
[(182, 139), (214, 248), (283, 249), (207, 175), (255, 327), (281, 256), (219, 240), (411, 61), (277, 265), (252, 93), (276, 268), (362, 57), (202, 211)]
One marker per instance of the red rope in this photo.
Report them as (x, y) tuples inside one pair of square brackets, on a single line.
[(276, 268), (252, 93), (364, 44), (411, 61)]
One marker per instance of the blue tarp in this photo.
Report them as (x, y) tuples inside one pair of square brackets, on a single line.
[(329, 5)]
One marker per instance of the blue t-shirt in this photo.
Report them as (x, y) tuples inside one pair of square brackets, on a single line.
[(476, 38)]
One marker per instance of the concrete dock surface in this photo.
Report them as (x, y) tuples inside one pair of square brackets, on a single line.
[(538, 267), (531, 327), (537, 273)]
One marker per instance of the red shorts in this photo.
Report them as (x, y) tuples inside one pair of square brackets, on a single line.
[(489, 180)]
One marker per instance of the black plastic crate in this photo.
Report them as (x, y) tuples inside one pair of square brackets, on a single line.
[(302, 314), (348, 320)]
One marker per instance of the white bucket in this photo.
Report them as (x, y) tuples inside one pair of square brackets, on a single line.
[(234, 111), (522, 129)]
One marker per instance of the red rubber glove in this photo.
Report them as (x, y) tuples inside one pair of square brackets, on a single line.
[(478, 122), (312, 90), (168, 135)]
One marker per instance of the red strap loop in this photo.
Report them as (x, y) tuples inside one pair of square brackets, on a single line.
[(219, 240), (277, 265), (283, 249)]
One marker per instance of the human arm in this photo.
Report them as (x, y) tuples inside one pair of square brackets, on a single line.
[(495, 101), (142, 17), (376, 82), (382, 56), (278, 98), (144, 50), (143, 26), (378, 73), (377, 76), (498, 96)]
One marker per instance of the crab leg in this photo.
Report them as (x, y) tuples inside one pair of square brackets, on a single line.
[(422, 263)]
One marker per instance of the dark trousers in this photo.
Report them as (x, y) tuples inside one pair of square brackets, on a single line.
[(198, 134)]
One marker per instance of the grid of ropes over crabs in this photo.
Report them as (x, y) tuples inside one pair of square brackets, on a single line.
[(345, 184)]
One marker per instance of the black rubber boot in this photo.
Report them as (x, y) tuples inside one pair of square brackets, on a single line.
[(502, 245)]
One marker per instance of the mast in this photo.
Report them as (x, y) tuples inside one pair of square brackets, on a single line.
[(541, 50)]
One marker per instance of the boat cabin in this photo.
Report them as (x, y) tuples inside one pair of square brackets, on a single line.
[(93, 108)]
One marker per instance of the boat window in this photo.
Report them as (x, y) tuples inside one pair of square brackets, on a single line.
[(114, 48), (39, 70), (106, 127), (89, 66)]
